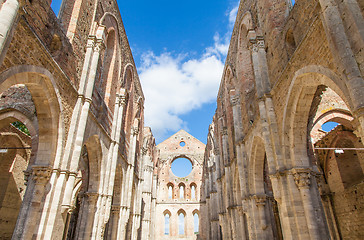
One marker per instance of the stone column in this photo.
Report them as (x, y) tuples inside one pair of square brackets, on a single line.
[(136, 211), (123, 219), (226, 227), (86, 224), (78, 142), (260, 66), (115, 213), (239, 145), (147, 195), (240, 231), (260, 203), (108, 188), (154, 203), (343, 54), (302, 180), (248, 215), (8, 14), (27, 221), (129, 180), (64, 173), (240, 215)]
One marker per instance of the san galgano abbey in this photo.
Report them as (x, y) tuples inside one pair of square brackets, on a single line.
[(77, 162)]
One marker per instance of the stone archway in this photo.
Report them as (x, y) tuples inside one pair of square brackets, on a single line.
[(264, 203), (301, 178), (46, 99)]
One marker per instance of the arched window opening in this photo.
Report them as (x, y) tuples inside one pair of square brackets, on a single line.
[(166, 224), (170, 191), (195, 223), (181, 191), (15, 154), (290, 42), (193, 191), (181, 223), (108, 73)]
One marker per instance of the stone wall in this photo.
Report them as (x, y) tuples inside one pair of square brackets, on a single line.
[(286, 74), (178, 145)]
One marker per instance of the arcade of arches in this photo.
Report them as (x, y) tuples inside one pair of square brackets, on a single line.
[(77, 162)]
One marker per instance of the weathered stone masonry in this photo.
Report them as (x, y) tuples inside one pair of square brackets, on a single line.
[(72, 82), (270, 171), (87, 168)]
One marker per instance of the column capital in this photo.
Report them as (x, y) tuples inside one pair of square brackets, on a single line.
[(91, 196), (259, 200), (302, 177), (235, 99), (216, 151), (115, 208), (224, 131), (91, 41), (99, 45), (257, 43), (123, 99), (135, 131), (71, 209), (148, 168), (144, 151), (41, 174)]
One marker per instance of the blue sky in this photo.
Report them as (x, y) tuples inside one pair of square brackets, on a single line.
[(179, 49)]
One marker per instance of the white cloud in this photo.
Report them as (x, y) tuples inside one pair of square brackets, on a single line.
[(175, 85), (232, 15)]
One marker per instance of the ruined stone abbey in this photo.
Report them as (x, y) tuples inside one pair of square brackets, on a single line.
[(77, 161)]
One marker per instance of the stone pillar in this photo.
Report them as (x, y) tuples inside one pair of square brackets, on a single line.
[(154, 203), (239, 227), (129, 180), (231, 218), (343, 54), (136, 211), (8, 14), (78, 141), (249, 217), (302, 180), (260, 66), (241, 157), (123, 219), (108, 188), (29, 217), (226, 228), (147, 195), (266, 231), (328, 212), (88, 214), (115, 213), (240, 216)]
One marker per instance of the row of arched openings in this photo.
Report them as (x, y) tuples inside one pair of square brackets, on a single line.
[(182, 191), (181, 222)]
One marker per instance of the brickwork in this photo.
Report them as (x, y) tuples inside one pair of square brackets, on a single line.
[(93, 170), (178, 145), (348, 206), (13, 163), (86, 123), (285, 75)]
